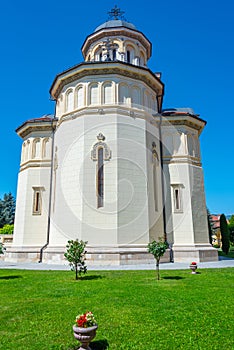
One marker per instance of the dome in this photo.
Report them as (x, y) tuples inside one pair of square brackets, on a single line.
[(115, 23)]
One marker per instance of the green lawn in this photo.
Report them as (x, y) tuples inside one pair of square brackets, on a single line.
[(133, 309)]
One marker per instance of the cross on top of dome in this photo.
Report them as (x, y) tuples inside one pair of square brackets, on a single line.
[(116, 13)]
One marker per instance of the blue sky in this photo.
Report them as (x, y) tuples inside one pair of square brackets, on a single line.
[(193, 47)]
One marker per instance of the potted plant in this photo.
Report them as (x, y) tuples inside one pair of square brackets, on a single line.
[(193, 267), (85, 329)]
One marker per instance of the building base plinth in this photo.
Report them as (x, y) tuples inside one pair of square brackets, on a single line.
[(196, 252), (21, 254), (95, 256)]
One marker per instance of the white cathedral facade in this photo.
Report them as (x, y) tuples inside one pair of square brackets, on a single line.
[(111, 167)]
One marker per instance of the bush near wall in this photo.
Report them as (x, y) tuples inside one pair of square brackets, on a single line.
[(7, 229)]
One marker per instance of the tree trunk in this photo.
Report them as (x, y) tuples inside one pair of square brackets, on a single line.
[(157, 268), (76, 272)]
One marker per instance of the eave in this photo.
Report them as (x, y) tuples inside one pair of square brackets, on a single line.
[(37, 124), (106, 68)]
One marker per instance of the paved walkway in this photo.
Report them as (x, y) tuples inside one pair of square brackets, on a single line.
[(223, 262)]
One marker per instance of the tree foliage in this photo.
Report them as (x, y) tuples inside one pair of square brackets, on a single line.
[(225, 234), (7, 229), (7, 209), (231, 228), (75, 255), (157, 249)]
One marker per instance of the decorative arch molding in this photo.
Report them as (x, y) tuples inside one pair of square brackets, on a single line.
[(100, 144), (69, 105), (46, 148), (36, 148), (80, 96), (108, 92), (93, 93)]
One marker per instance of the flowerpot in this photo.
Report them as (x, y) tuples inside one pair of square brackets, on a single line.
[(193, 268), (85, 336)]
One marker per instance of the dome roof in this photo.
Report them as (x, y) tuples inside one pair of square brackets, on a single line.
[(115, 23)]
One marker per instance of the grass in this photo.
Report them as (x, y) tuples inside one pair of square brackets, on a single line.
[(133, 309), (230, 253)]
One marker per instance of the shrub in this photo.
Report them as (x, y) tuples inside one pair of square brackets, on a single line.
[(7, 229)]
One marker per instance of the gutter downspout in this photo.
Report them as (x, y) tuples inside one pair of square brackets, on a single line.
[(162, 174), (50, 193), (163, 183)]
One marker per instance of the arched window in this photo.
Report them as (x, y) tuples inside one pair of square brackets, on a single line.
[(80, 97), (36, 150), (100, 153), (23, 153), (46, 150), (136, 97), (69, 105), (94, 94), (124, 96), (108, 93)]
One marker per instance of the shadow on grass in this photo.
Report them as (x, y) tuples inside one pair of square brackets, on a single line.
[(99, 345), (9, 277), (173, 278), (94, 345), (88, 278)]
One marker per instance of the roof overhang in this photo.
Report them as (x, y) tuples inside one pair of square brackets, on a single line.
[(37, 124), (184, 119), (106, 68)]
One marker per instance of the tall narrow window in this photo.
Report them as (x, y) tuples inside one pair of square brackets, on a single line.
[(128, 56), (100, 178), (177, 198), (69, 105), (37, 200), (94, 94), (114, 55), (155, 181), (100, 153), (155, 187), (80, 97), (108, 96)]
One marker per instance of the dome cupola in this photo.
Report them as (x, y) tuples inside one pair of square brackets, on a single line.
[(117, 40)]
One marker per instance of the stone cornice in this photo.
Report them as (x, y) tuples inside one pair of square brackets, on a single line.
[(104, 68), (32, 126), (191, 121), (107, 110)]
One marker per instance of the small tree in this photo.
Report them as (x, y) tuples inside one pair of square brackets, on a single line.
[(75, 255), (157, 249), (225, 234)]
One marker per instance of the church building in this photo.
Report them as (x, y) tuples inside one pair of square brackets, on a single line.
[(111, 167)]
